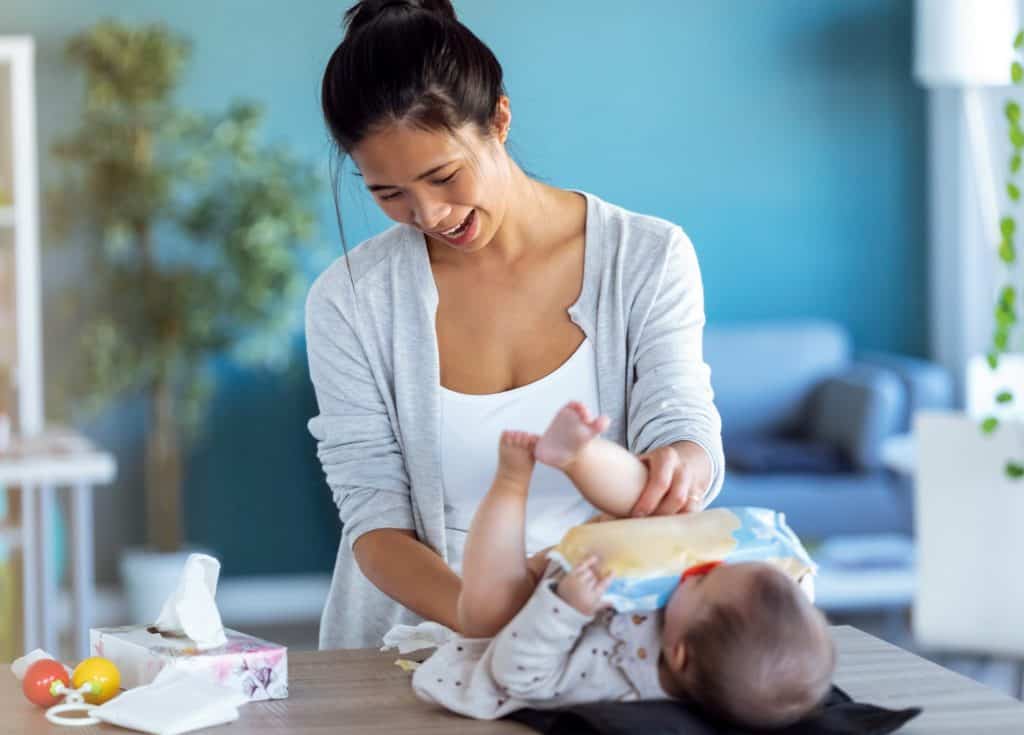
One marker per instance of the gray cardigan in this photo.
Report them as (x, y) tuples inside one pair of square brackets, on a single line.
[(374, 365)]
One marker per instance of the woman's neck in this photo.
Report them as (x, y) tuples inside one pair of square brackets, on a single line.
[(527, 201)]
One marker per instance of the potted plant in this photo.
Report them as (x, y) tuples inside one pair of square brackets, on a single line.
[(191, 233)]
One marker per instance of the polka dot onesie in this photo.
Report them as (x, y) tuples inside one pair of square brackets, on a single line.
[(550, 655)]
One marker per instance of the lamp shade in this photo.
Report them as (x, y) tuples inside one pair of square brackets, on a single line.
[(967, 43)]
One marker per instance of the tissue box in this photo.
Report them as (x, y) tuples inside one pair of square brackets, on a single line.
[(256, 668)]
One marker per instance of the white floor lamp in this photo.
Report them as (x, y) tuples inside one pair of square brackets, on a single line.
[(962, 46)]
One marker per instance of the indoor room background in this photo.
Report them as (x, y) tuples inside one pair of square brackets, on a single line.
[(787, 138)]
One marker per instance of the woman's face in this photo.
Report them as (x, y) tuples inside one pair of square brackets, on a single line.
[(431, 181)]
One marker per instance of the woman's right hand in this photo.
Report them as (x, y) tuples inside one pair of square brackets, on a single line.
[(676, 474)]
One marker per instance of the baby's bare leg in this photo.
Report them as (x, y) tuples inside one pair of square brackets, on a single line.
[(496, 580), (609, 476)]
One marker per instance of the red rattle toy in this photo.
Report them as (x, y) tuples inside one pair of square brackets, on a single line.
[(93, 682), (44, 682)]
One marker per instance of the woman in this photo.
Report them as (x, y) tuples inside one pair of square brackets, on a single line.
[(493, 300)]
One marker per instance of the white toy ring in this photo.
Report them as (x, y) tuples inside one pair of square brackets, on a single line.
[(54, 715)]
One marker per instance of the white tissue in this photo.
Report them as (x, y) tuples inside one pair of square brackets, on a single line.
[(20, 665), (191, 610), (427, 634), (175, 702)]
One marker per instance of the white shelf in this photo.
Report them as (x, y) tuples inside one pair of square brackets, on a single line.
[(36, 464), (56, 457), (21, 179), (93, 468)]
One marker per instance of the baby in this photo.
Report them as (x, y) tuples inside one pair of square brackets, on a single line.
[(741, 640)]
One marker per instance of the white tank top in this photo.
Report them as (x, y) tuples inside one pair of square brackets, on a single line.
[(470, 428)]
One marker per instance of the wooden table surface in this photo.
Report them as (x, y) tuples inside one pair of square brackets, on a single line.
[(361, 691)]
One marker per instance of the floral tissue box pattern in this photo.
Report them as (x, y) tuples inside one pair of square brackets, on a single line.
[(257, 668)]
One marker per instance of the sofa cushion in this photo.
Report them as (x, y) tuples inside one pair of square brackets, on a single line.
[(764, 373), (773, 455), (818, 506), (856, 411)]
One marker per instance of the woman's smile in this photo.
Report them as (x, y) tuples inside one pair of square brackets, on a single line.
[(464, 233)]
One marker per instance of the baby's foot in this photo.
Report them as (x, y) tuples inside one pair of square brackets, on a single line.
[(568, 433), (515, 456)]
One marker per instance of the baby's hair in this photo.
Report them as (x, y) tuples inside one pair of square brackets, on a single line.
[(766, 663)]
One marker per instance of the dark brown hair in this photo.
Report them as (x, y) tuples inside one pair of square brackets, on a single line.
[(767, 663)]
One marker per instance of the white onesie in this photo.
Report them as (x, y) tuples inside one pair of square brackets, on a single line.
[(549, 655)]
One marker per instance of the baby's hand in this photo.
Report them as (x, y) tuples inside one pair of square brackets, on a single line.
[(583, 586)]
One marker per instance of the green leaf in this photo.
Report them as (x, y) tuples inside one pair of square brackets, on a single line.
[(1007, 253), (1004, 396), (989, 425), (1015, 163), (1019, 40), (1014, 470), (1016, 136), (1012, 110), (1013, 191), (1007, 226), (992, 359), (1008, 297), (1017, 72), (1001, 338)]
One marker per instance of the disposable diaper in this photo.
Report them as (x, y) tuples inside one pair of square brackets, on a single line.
[(648, 555)]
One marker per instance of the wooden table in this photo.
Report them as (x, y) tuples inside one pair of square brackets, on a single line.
[(363, 691)]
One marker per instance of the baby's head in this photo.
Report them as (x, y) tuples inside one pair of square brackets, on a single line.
[(745, 643)]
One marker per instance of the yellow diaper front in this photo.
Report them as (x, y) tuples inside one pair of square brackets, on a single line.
[(658, 544)]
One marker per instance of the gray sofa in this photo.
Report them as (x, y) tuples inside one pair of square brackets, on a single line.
[(803, 422)]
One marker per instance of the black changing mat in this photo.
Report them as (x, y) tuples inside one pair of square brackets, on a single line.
[(839, 715)]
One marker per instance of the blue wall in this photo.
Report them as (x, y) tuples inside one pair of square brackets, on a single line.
[(785, 136)]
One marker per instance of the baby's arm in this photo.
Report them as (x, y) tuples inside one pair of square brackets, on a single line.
[(584, 586), (531, 653)]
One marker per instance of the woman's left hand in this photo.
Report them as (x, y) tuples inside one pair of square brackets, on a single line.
[(677, 478)]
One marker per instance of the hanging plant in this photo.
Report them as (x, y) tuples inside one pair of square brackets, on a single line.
[(1006, 310)]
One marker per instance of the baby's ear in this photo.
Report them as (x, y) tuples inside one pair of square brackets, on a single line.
[(677, 656)]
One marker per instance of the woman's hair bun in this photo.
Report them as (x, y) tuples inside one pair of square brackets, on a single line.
[(410, 61), (366, 11)]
